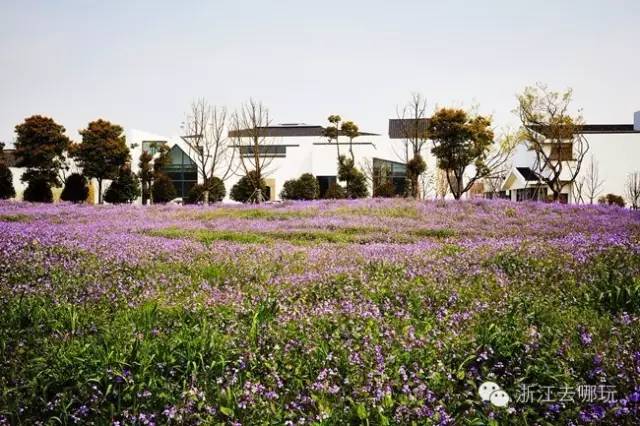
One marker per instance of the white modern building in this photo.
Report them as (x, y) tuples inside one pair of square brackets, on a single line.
[(613, 148)]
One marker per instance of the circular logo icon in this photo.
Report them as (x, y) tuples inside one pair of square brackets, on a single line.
[(491, 392)]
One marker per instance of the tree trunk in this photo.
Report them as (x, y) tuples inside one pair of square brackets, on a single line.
[(99, 191)]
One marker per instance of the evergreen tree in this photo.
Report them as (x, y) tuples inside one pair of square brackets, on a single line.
[(75, 189), (162, 189), (124, 189), (146, 175), (245, 190), (38, 190), (356, 181), (6, 178)]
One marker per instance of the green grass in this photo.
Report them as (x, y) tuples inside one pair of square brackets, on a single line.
[(15, 218)]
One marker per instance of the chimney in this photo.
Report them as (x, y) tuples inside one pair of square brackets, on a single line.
[(636, 121)]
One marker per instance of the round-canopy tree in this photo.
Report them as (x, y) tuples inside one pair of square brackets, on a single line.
[(103, 151), (40, 147), (246, 189)]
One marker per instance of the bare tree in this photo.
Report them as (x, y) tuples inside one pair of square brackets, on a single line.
[(591, 182), (413, 123), (493, 183), (633, 190), (553, 134), (205, 135), (250, 132)]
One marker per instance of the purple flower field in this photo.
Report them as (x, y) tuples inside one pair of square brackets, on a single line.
[(330, 312)]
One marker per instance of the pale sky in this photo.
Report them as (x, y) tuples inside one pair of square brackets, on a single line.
[(140, 63)]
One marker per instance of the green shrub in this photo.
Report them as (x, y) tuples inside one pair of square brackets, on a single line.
[(6, 182), (335, 192), (216, 189), (124, 189), (356, 182), (75, 189), (612, 200), (162, 189), (306, 187), (38, 191), (245, 190)]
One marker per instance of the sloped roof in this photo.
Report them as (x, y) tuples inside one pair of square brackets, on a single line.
[(592, 129), (528, 174)]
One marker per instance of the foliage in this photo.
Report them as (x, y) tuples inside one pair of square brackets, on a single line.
[(38, 191), (40, 147), (145, 173), (335, 192), (75, 189), (124, 189), (216, 189), (163, 189), (415, 167), (355, 180), (379, 312), (245, 189), (612, 200), (6, 178), (306, 187), (103, 151), (459, 142)]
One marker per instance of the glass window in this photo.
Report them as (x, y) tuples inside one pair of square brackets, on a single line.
[(152, 146), (264, 150), (182, 170)]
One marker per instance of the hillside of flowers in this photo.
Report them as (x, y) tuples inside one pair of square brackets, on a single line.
[(373, 312)]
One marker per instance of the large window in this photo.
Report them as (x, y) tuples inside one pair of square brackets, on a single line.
[(182, 171), (152, 147), (325, 182), (264, 150), (385, 171)]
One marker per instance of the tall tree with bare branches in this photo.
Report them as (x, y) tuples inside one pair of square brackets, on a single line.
[(632, 190), (591, 183), (205, 134), (413, 126), (250, 134), (553, 134)]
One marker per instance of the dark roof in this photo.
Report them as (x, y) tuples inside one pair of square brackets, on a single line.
[(288, 131), (597, 129), (9, 157), (404, 128), (527, 174)]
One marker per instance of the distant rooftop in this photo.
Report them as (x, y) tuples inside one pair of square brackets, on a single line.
[(289, 130)]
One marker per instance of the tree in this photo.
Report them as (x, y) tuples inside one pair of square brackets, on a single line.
[(208, 143), (591, 184), (306, 187), (553, 134), (75, 189), (415, 168), (6, 178), (216, 189), (246, 189), (332, 133), (350, 130), (633, 190), (413, 124), (124, 189), (40, 148), (250, 130), (461, 141), (355, 180), (103, 151), (145, 174), (38, 190), (162, 189)]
